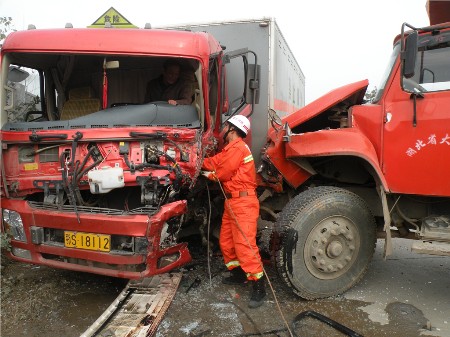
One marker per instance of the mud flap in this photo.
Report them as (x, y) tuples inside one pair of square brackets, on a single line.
[(387, 224)]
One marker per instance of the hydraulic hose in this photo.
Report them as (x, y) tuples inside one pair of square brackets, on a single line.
[(83, 163), (67, 185)]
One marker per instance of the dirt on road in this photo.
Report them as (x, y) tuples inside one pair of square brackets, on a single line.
[(41, 302)]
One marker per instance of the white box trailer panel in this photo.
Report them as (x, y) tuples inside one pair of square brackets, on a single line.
[(282, 83)]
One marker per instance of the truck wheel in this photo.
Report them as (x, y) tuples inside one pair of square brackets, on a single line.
[(326, 239)]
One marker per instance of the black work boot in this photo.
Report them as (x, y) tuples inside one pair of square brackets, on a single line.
[(237, 277), (258, 293)]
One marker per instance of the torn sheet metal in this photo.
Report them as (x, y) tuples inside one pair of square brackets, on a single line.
[(138, 309)]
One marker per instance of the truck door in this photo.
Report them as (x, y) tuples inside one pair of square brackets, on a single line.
[(417, 122)]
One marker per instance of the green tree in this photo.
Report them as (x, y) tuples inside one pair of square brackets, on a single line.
[(6, 26)]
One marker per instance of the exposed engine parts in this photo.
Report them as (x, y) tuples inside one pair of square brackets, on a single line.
[(89, 171)]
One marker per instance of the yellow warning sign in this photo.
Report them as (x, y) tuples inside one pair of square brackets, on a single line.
[(114, 18)]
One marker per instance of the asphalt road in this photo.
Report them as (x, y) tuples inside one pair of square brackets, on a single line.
[(407, 295), (414, 280)]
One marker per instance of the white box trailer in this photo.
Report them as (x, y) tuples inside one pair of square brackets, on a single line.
[(282, 82)]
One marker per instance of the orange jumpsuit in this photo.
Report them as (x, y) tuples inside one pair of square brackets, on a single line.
[(235, 169)]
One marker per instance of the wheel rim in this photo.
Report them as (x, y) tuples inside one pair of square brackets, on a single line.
[(331, 247)]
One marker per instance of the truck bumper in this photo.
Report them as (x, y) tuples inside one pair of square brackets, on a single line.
[(140, 234)]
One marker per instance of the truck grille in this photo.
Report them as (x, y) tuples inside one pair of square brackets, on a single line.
[(93, 210)]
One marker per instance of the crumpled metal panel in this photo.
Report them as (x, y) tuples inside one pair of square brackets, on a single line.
[(138, 309)]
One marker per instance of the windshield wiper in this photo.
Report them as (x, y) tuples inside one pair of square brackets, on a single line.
[(153, 135), (34, 137)]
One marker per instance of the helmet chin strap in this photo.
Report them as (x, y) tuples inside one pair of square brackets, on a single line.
[(230, 128), (225, 135)]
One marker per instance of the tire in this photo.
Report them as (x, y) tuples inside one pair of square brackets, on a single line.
[(324, 241)]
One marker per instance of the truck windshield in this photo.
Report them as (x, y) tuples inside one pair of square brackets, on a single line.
[(387, 73), (56, 89)]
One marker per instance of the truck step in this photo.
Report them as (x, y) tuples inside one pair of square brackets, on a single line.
[(138, 309), (431, 247)]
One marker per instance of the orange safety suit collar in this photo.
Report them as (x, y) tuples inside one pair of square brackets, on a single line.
[(234, 167)]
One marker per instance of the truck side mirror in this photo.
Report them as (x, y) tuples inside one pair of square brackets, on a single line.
[(15, 74), (409, 54)]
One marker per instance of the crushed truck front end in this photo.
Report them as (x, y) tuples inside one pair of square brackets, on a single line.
[(354, 170), (114, 209), (92, 178)]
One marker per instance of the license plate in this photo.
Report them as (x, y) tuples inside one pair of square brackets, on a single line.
[(88, 241)]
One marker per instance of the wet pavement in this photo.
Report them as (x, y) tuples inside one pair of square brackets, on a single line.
[(406, 290), (406, 296)]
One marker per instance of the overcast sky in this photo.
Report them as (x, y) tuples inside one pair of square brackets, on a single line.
[(335, 42)]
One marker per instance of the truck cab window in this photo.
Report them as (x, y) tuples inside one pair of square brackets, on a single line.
[(432, 71), (23, 94)]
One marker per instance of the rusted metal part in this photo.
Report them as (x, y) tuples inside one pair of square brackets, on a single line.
[(138, 309), (438, 11)]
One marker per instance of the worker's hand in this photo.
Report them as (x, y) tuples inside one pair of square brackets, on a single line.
[(172, 102), (209, 174)]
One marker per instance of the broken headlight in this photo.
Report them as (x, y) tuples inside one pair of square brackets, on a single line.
[(14, 225)]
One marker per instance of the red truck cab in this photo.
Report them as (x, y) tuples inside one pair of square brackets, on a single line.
[(92, 178), (365, 169)]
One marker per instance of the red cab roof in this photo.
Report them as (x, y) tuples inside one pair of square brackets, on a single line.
[(113, 41)]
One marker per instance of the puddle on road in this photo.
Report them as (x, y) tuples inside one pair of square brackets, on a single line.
[(402, 319), (406, 316)]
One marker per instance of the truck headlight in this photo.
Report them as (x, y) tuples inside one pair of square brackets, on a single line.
[(14, 225)]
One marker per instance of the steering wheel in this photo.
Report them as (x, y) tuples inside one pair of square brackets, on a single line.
[(275, 120)]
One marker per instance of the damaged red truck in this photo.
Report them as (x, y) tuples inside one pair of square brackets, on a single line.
[(95, 180), (112, 192)]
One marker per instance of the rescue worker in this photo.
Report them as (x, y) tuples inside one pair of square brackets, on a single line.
[(235, 169)]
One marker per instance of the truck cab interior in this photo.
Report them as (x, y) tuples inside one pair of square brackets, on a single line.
[(59, 88)]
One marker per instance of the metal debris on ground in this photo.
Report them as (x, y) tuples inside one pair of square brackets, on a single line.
[(138, 309)]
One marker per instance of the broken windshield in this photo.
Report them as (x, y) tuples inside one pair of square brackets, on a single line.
[(78, 90)]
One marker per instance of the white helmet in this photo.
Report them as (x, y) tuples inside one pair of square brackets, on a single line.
[(241, 122)]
